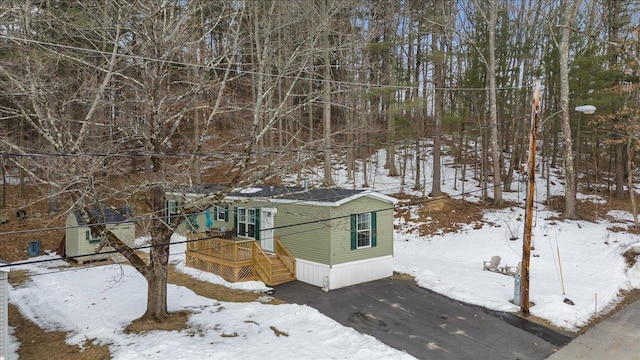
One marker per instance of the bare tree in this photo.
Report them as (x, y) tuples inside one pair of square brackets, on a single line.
[(493, 106), (326, 100), (438, 83), (569, 11), (137, 49)]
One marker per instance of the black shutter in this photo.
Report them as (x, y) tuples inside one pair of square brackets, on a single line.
[(257, 224), (354, 231), (235, 220), (374, 230)]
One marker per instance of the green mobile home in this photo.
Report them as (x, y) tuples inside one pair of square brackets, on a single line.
[(338, 237)]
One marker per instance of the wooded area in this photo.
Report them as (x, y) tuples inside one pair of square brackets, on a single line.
[(115, 102)]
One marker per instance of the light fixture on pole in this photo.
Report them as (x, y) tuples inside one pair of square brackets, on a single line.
[(586, 109), (528, 211)]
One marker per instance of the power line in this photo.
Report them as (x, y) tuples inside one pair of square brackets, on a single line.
[(181, 215), (392, 208), (224, 154), (249, 72)]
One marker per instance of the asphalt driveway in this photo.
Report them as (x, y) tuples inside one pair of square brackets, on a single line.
[(425, 324)]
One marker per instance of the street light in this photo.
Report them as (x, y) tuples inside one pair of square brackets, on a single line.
[(528, 212), (586, 109)]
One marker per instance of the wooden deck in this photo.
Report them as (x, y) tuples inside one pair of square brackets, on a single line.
[(240, 260)]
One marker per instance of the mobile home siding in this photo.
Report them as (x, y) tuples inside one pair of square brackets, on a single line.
[(309, 241), (180, 225), (341, 240), (201, 221), (320, 234), (297, 229)]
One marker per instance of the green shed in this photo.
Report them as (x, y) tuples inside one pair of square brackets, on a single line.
[(80, 243)]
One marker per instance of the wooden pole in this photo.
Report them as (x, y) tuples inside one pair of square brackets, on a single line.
[(528, 211)]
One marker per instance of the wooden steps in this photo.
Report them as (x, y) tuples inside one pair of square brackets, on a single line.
[(241, 260), (279, 274)]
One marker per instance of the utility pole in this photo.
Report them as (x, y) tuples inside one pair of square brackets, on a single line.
[(528, 211)]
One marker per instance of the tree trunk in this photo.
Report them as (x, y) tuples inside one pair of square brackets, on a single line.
[(157, 287), (326, 112), (310, 106), (619, 194), (417, 185), (197, 160), (493, 106), (438, 83), (4, 184), (391, 148), (570, 9), (53, 199), (156, 271), (389, 63), (632, 192)]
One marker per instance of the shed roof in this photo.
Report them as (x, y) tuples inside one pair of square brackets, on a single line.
[(111, 215)]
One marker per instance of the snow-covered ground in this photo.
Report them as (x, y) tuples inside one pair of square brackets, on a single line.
[(576, 260), (98, 302)]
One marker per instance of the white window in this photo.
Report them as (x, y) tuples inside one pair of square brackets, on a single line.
[(246, 221), (90, 238), (363, 230), (221, 213), (172, 210)]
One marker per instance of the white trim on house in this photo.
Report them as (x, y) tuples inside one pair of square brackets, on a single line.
[(267, 224), (4, 314), (312, 272), (367, 193), (347, 274), (371, 194), (276, 200)]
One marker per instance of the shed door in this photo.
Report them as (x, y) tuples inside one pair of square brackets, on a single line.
[(267, 223)]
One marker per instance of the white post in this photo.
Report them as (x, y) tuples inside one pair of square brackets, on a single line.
[(4, 313)]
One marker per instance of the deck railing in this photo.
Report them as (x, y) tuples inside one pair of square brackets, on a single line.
[(264, 265), (230, 259), (223, 249), (287, 258), (236, 260)]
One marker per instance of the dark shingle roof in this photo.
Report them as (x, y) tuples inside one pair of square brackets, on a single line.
[(297, 193), (328, 195), (282, 193), (110, 215)]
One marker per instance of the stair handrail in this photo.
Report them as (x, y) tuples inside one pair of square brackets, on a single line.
[(259, 256), (285, 255)]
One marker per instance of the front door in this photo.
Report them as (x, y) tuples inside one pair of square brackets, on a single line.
[(266, 226)]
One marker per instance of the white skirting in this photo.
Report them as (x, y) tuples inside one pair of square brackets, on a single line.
[(337, 276)]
